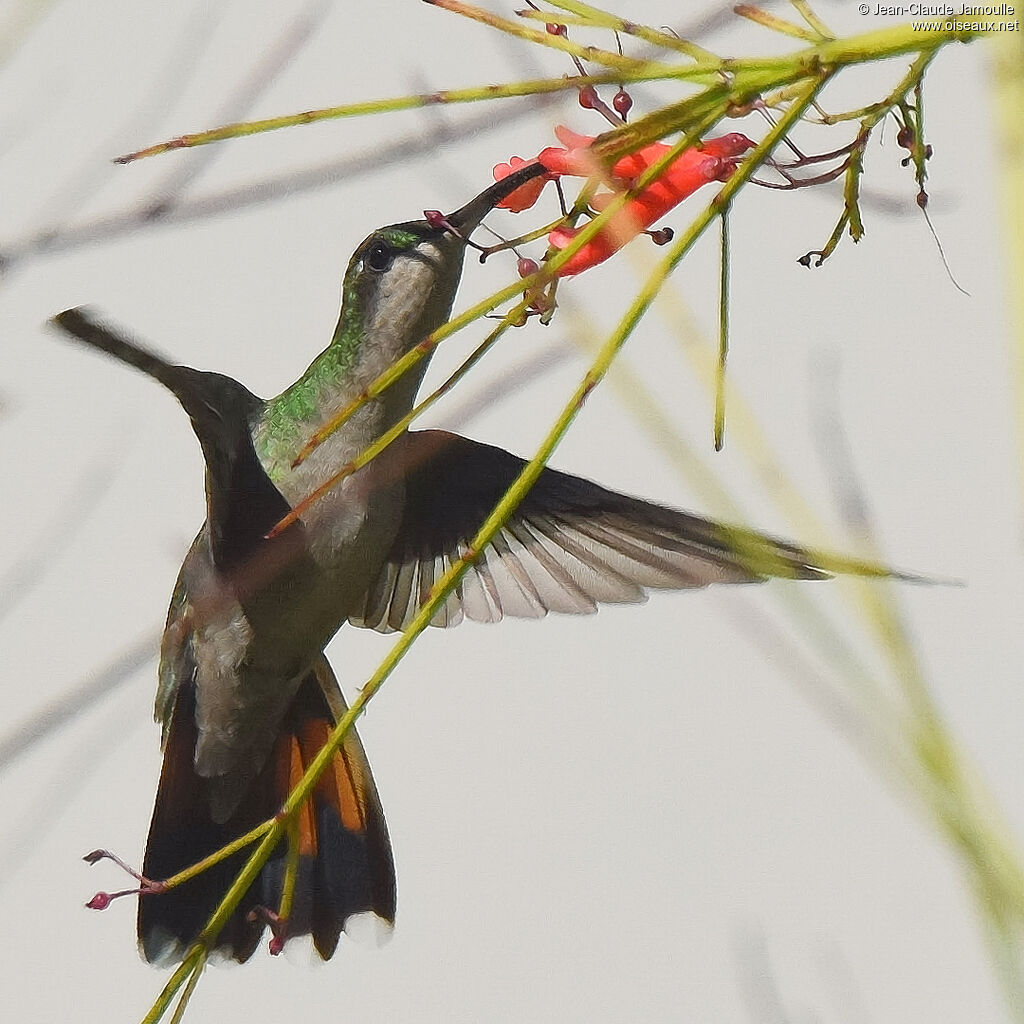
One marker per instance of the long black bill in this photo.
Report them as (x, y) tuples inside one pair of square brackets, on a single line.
[(469, 216)]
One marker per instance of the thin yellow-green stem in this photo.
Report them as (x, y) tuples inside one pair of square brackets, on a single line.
[(514, 28), (723, 332), (816, 24), (919, 151), (190, 987), (394, 432), (882, 106), (553, 18), (605, 19), (1008, 90), (851, 190), (532, 236), (402, 365), (222, 854), (911, 80), (776, 24), (781, 96), (193, 961), (474, 94), (291, 871), (747, 75)]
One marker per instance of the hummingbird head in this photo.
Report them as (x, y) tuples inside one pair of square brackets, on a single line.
[(399, 287), (401, 282)]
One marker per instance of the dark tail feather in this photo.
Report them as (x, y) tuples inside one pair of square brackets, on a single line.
[(82, 323), (345, 863)]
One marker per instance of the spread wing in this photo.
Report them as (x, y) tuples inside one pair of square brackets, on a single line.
[(569, 546)]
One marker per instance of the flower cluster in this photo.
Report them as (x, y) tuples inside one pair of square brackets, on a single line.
[(710, 160)]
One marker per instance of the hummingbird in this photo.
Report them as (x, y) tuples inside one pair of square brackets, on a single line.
[(246, 697)]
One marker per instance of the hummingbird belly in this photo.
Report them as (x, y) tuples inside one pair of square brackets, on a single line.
[(253, 635)]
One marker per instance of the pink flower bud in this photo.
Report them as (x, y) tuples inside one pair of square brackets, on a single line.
[(526, 266)]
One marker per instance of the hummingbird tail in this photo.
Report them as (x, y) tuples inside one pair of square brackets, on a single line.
[(345, 865)]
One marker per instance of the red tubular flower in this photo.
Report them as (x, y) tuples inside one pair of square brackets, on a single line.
[(573, 157), (712, 160), (526, 195), (716, 160)]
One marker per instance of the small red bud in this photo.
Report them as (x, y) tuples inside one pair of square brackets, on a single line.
[(100, 901), (662, 236), (622, 102), (276, 946), (435, 218), (905, 137), (556, 30), (588, 97), (526, 266)]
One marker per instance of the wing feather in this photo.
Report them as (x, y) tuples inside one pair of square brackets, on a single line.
[(569, 546)]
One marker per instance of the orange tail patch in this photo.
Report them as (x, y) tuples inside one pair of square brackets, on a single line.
[(345, 863)]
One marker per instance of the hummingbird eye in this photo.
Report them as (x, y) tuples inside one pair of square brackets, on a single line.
[(379, 256)]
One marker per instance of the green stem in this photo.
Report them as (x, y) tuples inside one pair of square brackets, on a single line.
[(774, 23), (194, 960), (604, 19), (222, 854), (190, 987), (747, 75), (372, 451), (542, 38), (723, 333), (1008, 93)]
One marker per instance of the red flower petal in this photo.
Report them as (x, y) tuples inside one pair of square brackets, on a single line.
[(715, 160), (526, 195)]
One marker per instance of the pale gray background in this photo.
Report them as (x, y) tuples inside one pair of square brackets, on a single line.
[(615, 819)]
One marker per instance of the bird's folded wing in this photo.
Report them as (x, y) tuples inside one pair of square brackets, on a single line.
[(568, 547)]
